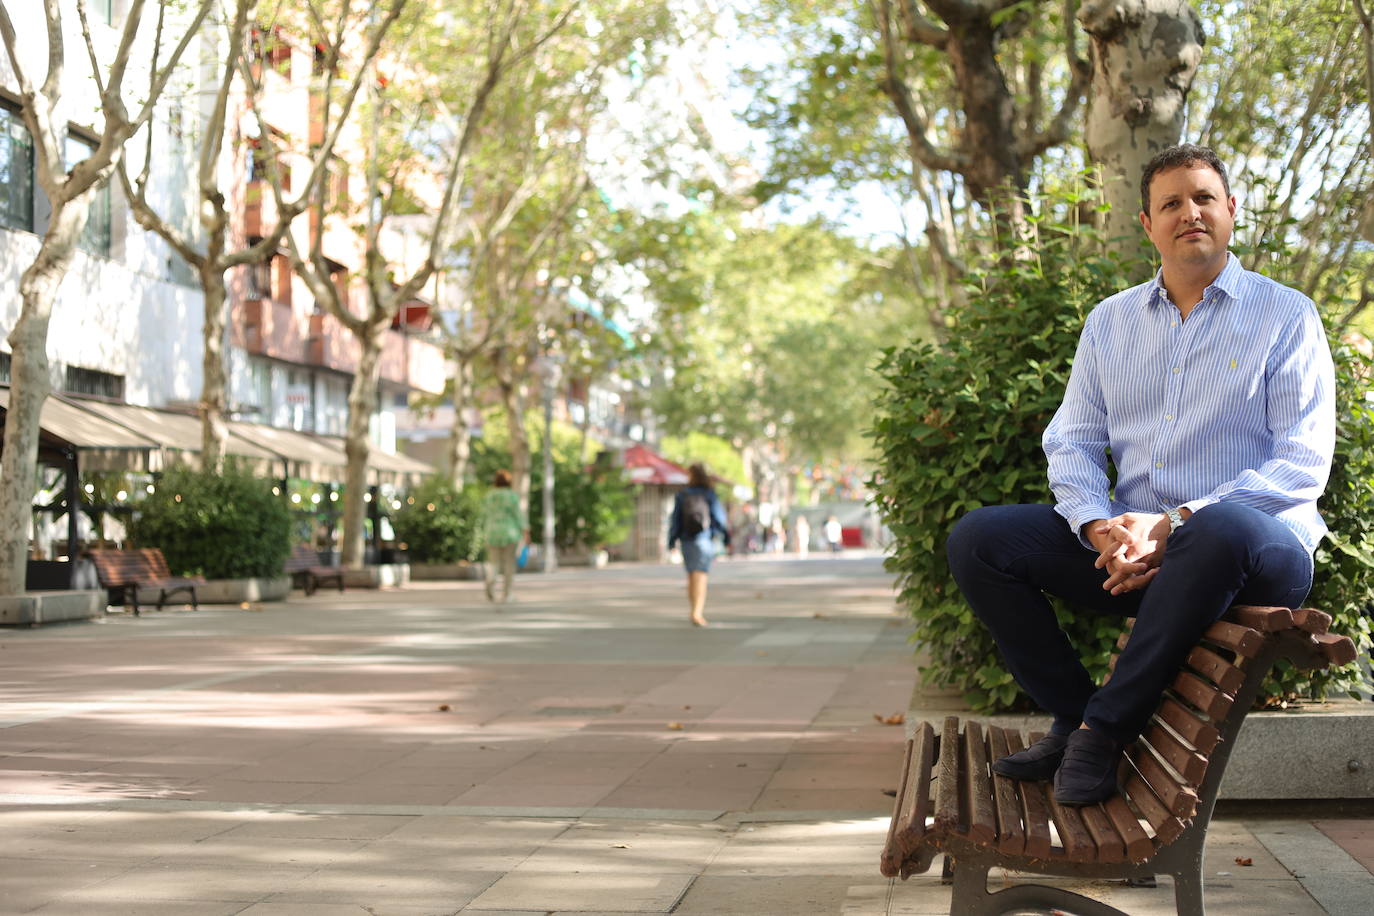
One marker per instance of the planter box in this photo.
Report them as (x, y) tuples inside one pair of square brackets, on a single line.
[(432, 571), (596, 559), (34, 608), (382, 575), (229, 591)]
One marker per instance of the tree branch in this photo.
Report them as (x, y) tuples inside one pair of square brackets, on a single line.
[(917, 28), (922, 150)]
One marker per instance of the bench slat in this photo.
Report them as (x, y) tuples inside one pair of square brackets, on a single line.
[(916, 796), (1034, 807), (1073, 835), (1166, 826), (1312, 620), (1179, 799), (947, 777), (1264, 619), (1138, 845), (1339, 650), (1240, 640), (1011, 838), (1189, 764), (1216, 669), (1212, 702), (1110, 848), (978, 800), (1196, 732)]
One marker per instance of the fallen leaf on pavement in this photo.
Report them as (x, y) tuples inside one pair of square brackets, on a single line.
[(818, 615), (890, 793), (1247, 861), (443, 707), (619, 846), (675, 726), (896, 718)]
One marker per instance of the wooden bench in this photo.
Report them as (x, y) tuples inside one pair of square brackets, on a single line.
[(124, 572), (306, 570), (950, 802)]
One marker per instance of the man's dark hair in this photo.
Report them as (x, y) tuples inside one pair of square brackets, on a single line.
[(1183, 155)]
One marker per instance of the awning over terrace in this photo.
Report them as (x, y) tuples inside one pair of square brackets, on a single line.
[(125, 437)]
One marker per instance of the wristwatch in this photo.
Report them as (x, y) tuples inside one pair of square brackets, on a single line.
[(1175, 519)]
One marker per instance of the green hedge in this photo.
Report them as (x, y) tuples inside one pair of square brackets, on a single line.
[(440, 524), (592, 506), (220, 526), (959, 426)]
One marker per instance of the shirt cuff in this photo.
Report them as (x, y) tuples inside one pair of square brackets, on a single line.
[(1193, 505), (1081, 517)]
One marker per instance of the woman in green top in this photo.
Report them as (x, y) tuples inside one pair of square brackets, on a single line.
[(503, 529)]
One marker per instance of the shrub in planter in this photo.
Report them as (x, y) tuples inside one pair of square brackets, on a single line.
[(220, 526), (591, 506), (438, 523), (958, 426)]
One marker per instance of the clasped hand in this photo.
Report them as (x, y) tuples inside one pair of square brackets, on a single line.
[(1130, 547)]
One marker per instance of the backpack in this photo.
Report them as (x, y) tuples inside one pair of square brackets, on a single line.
[(695, 513)]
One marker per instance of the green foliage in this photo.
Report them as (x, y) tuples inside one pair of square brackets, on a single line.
[(959, 427), (440, 524), (1343, 584), (720, 457), (220, 526), (591, 506)]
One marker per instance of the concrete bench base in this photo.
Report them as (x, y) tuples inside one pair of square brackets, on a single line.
[(34, 608)]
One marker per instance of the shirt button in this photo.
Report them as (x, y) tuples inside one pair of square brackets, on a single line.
[(1173, 324), (1168, 416), (1177, 370), (1159, 464)]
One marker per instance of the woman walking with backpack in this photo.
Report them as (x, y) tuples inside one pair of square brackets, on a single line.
[(697, 517)]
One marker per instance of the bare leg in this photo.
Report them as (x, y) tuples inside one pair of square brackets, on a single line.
[(508, 570), (696, 596)]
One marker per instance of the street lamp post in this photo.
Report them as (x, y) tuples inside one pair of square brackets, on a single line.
[(550, 369)]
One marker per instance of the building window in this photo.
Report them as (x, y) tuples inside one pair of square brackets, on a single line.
[(260, 280), (95, 238), (94, 382), (4, 368), (16, 171)]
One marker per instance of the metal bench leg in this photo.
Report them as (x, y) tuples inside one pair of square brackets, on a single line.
[(1188, 893), (971, 897)]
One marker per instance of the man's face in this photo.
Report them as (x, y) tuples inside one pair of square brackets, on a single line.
[(1191, 216)]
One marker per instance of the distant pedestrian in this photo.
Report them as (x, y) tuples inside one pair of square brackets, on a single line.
[(834, 534), (803, 536), (504, 529), (779, 533), (697, 518)]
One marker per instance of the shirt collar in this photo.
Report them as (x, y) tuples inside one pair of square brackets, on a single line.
[(1228, 282)]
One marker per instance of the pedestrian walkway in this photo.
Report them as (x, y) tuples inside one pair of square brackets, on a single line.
[(581, 750)]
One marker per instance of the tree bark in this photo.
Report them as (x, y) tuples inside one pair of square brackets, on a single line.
[(1144, 56), (30, 384), (214, 428), (362, 403), (458, 449)]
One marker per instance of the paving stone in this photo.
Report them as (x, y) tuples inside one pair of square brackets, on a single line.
[(576, 893)]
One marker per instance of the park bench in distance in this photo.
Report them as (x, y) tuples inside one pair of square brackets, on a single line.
[(305, 569), (950, 802), (124, 572)]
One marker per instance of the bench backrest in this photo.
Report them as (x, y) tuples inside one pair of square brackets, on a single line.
[(1174, 769), (129, 567), (302, 557)]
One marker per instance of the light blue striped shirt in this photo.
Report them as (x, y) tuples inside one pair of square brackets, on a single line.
[(1237, 403)]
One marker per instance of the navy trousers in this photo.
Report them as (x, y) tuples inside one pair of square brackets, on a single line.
[(1005, 558)]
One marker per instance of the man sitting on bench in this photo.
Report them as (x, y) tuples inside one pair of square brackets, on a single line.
[(1213, 388)]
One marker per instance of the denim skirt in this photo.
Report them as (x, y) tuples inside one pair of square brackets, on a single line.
[(697, 554)]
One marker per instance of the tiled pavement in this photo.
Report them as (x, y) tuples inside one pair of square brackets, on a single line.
[(581, 750)]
